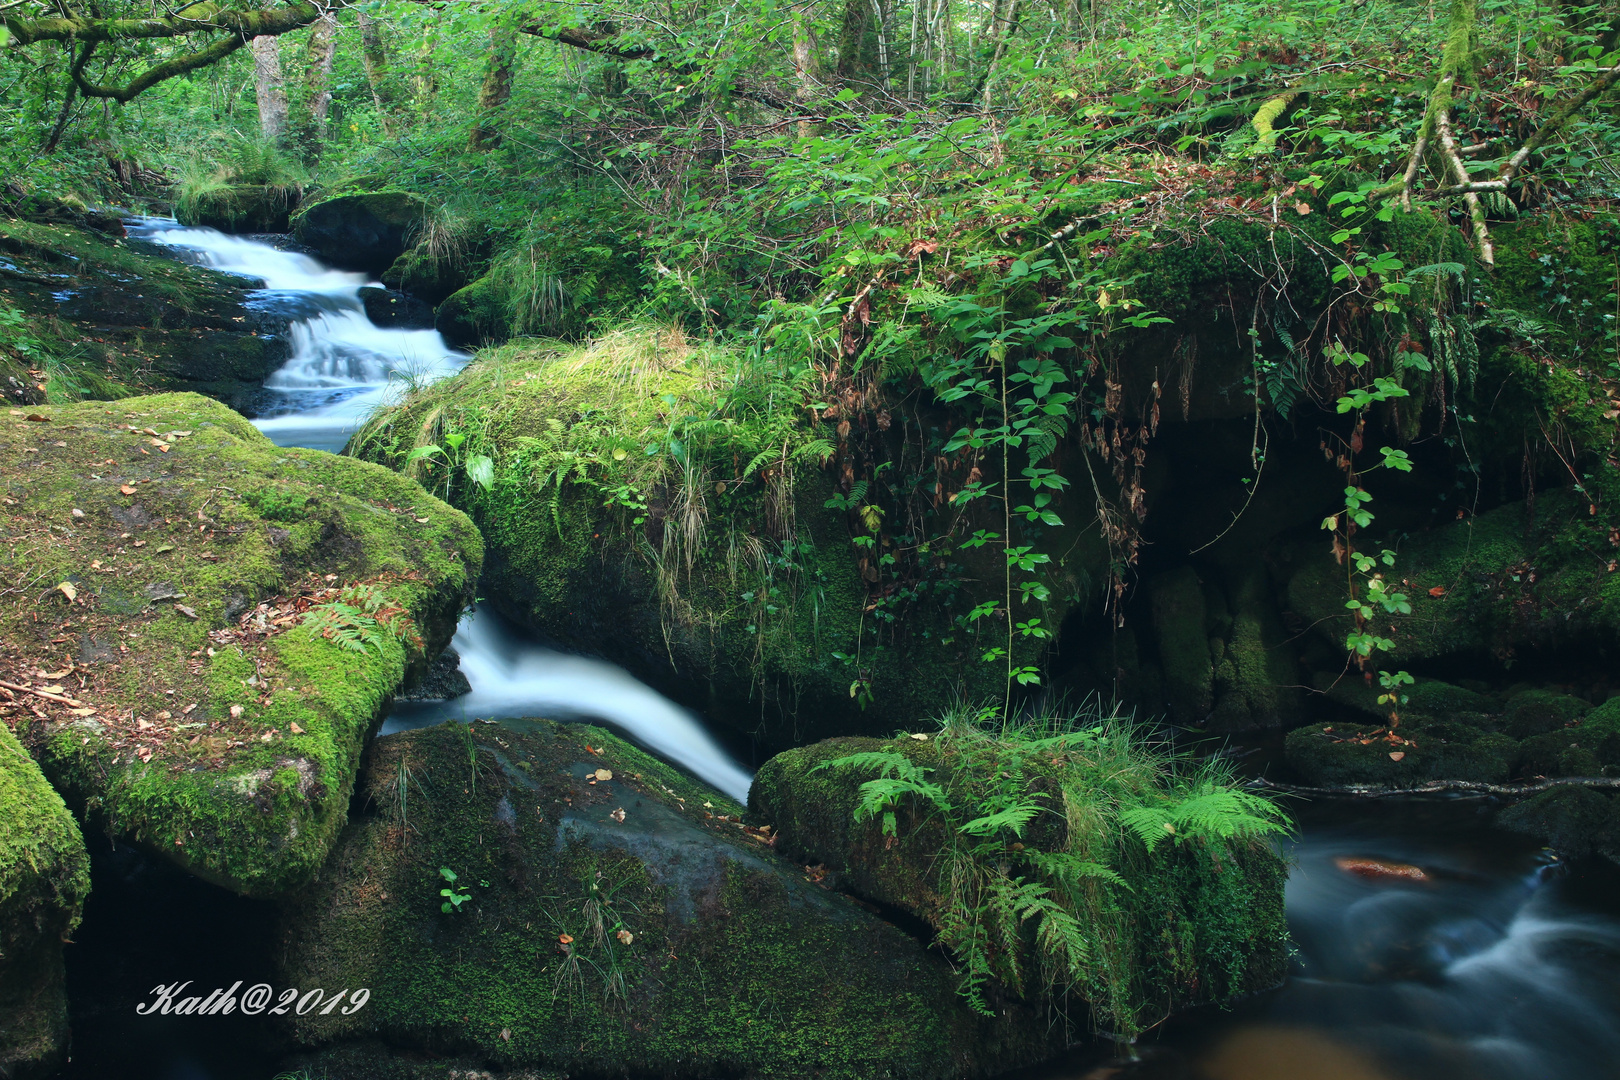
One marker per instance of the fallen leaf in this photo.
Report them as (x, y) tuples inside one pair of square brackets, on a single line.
[(421, 521), (161, 548), (163, 447), (187, 612), (1378, 868), (164, 715), (296, 730), (143, 724), (625, 937), (76, 512), (618, 815), (506, 1033), (37, 418), (1438, 591), (128, 489), (565, 939), (83, 712), (919, 736), (604, 774), (1302, 208), (67, 590), (267, 736), (236, 711), (1397, 755)]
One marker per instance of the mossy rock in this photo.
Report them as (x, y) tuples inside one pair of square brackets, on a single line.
[(1558, 753), (242, 208), (1538, 712), (1191, 924), (742, 593), (1361, 755), (1503, 583), (431, 280), (161, 583), (1443, 699), (1573, 820), (125, 318), (1179, 623), (365, 231), (44, 878), (474, 315), (665, 940), (1258, 673)]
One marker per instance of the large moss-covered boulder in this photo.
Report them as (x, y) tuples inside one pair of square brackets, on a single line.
[(540, 896), (242, 208), (206, 625), (426, 275), (977, 824), (44, 877), (643, 505), (1514, 581), (473, 315), (366, 231), (122, 317)]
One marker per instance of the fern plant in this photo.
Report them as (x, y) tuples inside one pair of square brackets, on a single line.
[(1046, 823), (360, 616)]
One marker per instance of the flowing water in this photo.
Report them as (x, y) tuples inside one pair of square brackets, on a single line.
[(1498, 963)]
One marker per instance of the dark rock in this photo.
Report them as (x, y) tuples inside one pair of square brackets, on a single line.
[(1575, 821), (385, 307), (429, 279), (442, 681), (361, 232), (242, 208), (475, 315)]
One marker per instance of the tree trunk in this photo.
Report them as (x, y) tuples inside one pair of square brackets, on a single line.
[(375, 55), (319, 53), (499, 64), (425, 79), (806, 65), (852, 37), (269, 88)]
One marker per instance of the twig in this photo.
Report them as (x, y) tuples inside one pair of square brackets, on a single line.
[(1435, 787), (43, 694)]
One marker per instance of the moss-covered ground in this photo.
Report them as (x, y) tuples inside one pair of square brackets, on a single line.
[(199, 627), (620, 919)]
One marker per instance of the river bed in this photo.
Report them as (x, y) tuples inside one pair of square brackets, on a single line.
[(1487, 959)]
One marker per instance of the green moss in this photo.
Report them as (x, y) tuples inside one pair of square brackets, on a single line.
[(367, 230), (241, 208), (473, 315), (1257, 674), (1347, 753), (736, 963), (226, 741), (1537, 712), (1574, 820), (1192, 923), (44, 878), (692, 542), (1179, 621)]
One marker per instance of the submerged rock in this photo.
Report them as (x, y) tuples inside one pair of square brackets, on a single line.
[(44, 877), (208, 624), (442, 681), (606, 915), (242, 208), (361, 232)]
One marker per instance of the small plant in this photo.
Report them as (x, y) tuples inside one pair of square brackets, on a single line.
[(452, 899), (363, 615)]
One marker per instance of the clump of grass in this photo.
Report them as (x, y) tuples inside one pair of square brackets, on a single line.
[(1051, 825), (241, 160)]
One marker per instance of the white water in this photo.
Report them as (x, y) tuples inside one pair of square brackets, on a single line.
[(342, 367), (514, 678)]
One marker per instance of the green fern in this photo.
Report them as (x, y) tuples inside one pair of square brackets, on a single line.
[(1209, 813)]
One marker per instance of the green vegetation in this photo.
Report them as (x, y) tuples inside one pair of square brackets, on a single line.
[(633, 923), (44, 877), (184, 595), (1063, 858)]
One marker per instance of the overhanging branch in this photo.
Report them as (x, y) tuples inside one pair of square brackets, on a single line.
[(149, 78)]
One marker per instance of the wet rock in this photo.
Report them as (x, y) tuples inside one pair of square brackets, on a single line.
[(629, 926), (226, 731), (442, 681), (385, 307), (361, 232), (44, 877), (1575, 821), (428, 278), (242, 208)]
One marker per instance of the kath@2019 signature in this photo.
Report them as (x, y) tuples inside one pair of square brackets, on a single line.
[(255, 1000)]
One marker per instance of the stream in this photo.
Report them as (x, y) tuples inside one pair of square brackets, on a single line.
[(1497, 964)]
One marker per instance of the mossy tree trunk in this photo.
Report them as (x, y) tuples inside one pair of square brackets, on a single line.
[(269, 87), (319, 52), (374, 54), (500, 65)]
